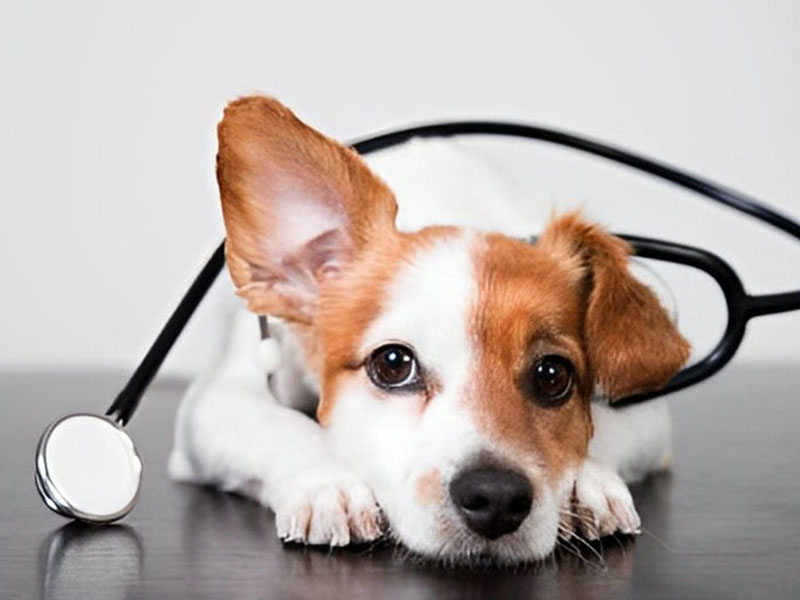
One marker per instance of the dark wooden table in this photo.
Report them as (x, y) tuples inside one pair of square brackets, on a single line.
[(725, 524)]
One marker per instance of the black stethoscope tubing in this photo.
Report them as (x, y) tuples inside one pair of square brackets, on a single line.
[(741, 306)]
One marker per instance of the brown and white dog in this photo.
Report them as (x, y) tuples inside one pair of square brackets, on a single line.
[(463, 377)]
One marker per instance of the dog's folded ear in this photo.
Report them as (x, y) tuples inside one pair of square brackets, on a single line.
[(632, 344), (297, 206)]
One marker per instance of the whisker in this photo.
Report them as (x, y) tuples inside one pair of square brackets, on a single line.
[(598, 554), (575, 551), (660, 541), (570, 548)]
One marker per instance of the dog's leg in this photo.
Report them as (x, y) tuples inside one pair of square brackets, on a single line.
[(627, 445), (230, 432), (633, 441)]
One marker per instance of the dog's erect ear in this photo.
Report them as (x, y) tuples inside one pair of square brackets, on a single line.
[(297, 206), (632, 344)]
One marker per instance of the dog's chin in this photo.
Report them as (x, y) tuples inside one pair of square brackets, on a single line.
[(463, 548), (475, 554)]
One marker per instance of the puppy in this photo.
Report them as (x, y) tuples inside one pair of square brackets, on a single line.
[(461, 379)]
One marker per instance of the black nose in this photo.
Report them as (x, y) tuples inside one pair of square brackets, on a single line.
[(492, 501)]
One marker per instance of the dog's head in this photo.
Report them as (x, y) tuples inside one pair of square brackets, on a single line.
[(455, 367)]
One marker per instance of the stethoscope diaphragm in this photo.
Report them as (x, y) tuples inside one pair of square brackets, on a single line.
[(87, 468)]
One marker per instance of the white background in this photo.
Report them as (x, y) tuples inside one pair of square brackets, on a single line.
[(108, 117)]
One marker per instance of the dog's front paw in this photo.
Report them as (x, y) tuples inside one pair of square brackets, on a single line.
[(326, 506), (601, 503)]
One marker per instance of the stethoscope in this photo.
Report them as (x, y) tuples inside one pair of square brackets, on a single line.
[(87, 466)]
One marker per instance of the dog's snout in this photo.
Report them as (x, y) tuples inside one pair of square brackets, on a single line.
[(492, 501)]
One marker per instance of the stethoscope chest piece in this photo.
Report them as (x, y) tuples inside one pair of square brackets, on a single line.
[(88, 469)]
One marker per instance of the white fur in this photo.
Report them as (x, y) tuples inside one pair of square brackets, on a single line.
[(449, 182), (634, 441), (431, 299), (232, 432)]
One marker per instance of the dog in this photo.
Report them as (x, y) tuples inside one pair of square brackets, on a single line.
[(462, 379)]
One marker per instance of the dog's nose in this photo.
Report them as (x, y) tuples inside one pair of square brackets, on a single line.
[(492, 501)]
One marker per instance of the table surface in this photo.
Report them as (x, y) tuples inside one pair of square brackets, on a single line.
[(724, 524)]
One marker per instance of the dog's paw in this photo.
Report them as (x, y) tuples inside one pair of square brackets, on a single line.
[(601, 504), (326, 506)]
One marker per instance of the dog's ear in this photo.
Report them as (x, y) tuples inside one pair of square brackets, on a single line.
[(632, 344), (297, 206)]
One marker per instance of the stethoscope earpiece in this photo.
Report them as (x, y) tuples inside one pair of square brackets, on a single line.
[(87, 468)]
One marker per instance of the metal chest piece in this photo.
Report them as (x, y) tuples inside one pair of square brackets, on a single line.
[(88, 469)]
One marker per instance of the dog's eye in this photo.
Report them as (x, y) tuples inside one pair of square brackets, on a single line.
[(393, 366), (553, 377)]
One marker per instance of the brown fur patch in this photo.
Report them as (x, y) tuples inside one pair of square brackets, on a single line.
[(528, 305), (572, 295), (632, 344)]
